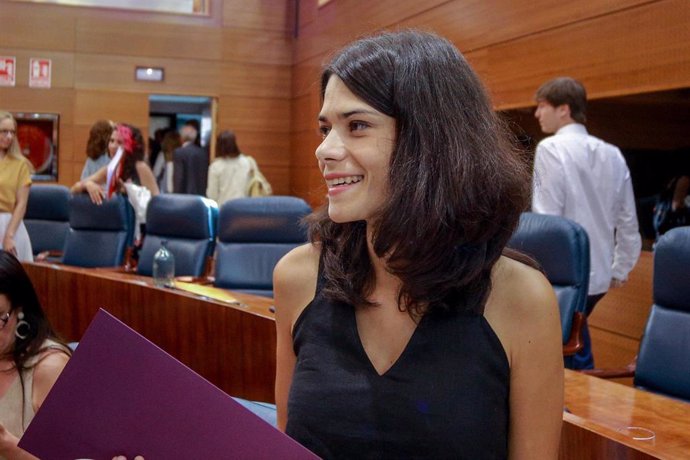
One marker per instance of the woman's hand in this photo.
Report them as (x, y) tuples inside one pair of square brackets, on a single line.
[(95, 192), (122, 457), (8, 442), (9, 245)]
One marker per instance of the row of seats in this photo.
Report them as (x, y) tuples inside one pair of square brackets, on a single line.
[(248, 236), (561, 247)]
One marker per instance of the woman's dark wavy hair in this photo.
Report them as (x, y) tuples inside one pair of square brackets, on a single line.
[(16, 285), (99, 135), (457, 183), (226, 145), (137, 154)]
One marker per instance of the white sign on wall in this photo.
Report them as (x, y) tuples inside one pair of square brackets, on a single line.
[(39, 73), (8, 68)]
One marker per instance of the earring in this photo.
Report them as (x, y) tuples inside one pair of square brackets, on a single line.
[(22, 324)]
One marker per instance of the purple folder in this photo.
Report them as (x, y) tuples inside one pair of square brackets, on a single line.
[(122, 395)]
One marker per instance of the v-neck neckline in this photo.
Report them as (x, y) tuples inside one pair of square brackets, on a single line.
[(365, 356)]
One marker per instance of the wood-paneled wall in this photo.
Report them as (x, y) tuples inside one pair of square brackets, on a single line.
[(615, 47), (241, 55)]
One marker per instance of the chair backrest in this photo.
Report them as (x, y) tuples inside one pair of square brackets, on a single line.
[(47, 217), (188, 224), (253, 235), (663, 362), (99, 234), (561, 247)]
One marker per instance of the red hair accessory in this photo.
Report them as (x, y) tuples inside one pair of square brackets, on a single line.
[(125, 133)]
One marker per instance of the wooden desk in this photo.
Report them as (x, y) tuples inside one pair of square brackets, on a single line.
[(231, 346), (601, 412)]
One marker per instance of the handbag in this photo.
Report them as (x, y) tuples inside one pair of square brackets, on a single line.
[(257, 185)]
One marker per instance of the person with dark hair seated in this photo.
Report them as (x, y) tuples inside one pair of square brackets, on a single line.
[(31, 355), (406, 329)]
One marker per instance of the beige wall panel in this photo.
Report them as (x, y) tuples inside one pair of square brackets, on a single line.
[(257, 14), (62, 66), (28, 27), (309, 185), (258, 47), (466, 22), (340, 21), (132, 108), (638, 50), (116, 73), (108, 37), (255, 80), (256, 114)]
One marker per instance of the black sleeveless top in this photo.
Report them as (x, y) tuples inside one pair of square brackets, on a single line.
[(445, 397)]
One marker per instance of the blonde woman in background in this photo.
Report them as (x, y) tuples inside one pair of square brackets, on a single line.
[(228, 175), (15, 180)]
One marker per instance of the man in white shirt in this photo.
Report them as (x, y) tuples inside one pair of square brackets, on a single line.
[(585, 179)]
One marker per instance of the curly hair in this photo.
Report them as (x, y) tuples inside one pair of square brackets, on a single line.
[(457, 183), (99, 135)]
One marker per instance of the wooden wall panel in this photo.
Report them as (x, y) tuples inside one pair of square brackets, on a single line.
[(182, 76), (636, 50), (255, 80), (159, 40), (466, 22), (25, 27), (273, 15), (254, 114), (111, 105), (259, 47)]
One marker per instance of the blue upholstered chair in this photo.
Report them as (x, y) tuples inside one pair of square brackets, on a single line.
[(561, 247), (47, 218), (663, 361), (98, 235), (188, 224), (253, 235)]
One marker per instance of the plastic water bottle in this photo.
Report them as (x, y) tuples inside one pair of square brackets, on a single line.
[(163, 267)]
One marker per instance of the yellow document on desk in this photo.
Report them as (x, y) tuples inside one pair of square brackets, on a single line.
[(211, 292)]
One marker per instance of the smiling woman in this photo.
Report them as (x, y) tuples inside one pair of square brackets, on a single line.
[(404, 301)]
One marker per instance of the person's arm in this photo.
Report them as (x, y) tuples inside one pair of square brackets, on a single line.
[(680, 192), (146, 177), (46, 372), (93, 185), (548, 193), (22, 198), (628, 241), (213, 186), (294, 285), (178, 172), (529, 328)]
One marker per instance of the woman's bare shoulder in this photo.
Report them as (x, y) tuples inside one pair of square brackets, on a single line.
[(522, 303), (294, 280)]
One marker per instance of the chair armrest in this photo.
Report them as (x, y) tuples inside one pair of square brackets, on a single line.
[(575, 342), (45, 255), (614, 373)]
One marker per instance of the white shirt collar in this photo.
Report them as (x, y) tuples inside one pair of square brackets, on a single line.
[(572, 128)]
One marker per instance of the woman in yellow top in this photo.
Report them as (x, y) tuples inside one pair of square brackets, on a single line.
[(15, 180)]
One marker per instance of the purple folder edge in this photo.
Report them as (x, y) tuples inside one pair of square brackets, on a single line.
[(120, 394)]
